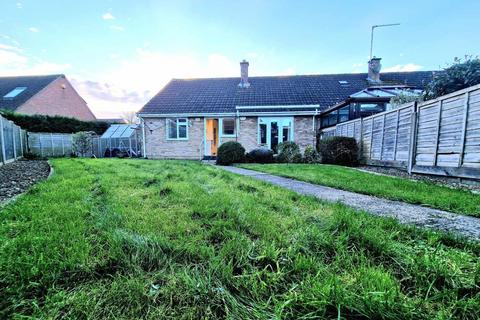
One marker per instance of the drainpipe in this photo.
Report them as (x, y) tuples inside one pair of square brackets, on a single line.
[(237, 125), (313, 128), (143, 138)]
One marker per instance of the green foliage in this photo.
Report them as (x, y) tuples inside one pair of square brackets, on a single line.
[(461, 74), (394, 188), (310, 155), (339, 150), (289, 152), (260, 155), (405, 97), (82, 143), (179, 240), (41, 123), (230, 152)]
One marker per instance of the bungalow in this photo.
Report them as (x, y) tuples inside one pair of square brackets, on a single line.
[(50, 95), (190, 118)]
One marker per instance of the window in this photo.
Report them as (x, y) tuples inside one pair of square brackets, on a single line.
[(15, 92), (344, 114), (177, 129), (263, 133), (228, 126)]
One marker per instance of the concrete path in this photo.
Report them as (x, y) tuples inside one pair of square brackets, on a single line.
[(404, 212)]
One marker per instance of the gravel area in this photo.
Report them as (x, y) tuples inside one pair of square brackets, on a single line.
[(451, 182), (404, 212), (16, 177)]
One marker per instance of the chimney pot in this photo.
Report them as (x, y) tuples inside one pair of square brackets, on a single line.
[(244, 74), (374, 67)]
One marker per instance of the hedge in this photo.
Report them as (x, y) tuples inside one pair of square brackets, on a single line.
[(58, 124)]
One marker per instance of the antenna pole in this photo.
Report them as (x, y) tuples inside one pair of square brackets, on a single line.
[(371, 34)]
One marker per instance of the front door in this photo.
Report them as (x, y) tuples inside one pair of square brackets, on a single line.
[(211, 137), (273, 131)]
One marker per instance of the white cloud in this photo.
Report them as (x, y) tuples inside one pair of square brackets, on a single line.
[(14, 62), (19, 5), (33, 29), (117, 28), (403, 68), (134, 81), (107, 16)]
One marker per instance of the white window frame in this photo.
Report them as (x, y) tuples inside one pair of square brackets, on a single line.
[(177, 128), (220, 128), (268, 122)]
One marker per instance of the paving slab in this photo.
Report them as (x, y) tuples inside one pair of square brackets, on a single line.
[(404, 212)]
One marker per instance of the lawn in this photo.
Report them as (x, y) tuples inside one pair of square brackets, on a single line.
[(394, 188), (123, 239)]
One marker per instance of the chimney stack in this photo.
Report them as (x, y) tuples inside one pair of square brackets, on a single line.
[(374, 67), (244, 74)]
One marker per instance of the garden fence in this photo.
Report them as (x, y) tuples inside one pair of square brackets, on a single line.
[(12, 141), (440, 136), (60, 145)]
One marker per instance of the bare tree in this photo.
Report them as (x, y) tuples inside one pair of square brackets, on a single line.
[(130, 117)]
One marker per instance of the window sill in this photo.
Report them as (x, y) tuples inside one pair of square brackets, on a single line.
[(177, 139)]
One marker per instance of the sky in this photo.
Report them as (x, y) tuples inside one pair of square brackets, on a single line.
[(118, 54)]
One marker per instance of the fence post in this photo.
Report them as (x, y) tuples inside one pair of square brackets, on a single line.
[(383, 136), (396, 136), (14, 142), (464, 129), (437, 141), (63, 145), (371, 137), (4, 155), (360, 139), (413, 137), (21, 142), (51, 141)]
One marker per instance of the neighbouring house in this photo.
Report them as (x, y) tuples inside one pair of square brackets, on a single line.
[(50, 95), (190, 118)]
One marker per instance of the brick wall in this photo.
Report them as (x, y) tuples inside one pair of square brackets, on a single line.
[(303, 132), (53, 100), (159, 147)]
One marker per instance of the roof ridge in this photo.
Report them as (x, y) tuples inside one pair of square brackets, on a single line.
[(57, 75), (303, 75)]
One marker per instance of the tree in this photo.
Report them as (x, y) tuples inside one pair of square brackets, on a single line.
[(130, 117), (461, 74), (82, 143), (405, 97)]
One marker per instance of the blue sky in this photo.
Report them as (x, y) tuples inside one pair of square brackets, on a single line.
[(120, 53)]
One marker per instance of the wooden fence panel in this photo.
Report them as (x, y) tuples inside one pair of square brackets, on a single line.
[(440, 136)]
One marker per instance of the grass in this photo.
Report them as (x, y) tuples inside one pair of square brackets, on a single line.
[(123, 239), (394, 188)]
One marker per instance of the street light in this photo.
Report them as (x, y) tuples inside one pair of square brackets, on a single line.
[(379, 26)]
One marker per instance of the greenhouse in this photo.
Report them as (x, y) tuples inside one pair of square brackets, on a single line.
[(121, 140)]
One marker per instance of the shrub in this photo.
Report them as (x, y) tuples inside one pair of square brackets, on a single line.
[(461, 74), (289, 152), (41, 123), (230, 152), (82, 143), (260, 155), (339, 150), (405, 97), (310, 155)]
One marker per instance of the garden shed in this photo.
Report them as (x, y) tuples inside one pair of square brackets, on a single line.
[(121, 140)]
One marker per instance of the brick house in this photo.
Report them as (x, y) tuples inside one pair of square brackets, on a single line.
[(51, 95), (190, 118)]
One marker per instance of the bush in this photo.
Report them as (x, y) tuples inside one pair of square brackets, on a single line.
[(459, 75), (310, 155), (405, 97), (339, 150), (40, 123), (82, 143), (289, 152), (230, 152), (260, 155)]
